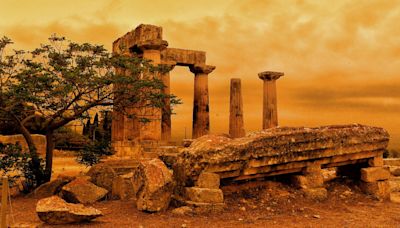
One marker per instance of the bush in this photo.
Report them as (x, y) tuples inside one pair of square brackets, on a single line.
[(92, 153), (68, 139), (18, 165)]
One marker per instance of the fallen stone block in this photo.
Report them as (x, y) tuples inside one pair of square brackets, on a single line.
[(204, 195), (395, 197), (391, 161), (102, 175), (153, 184), (50, 188), (54, 210), (123, 187), (81, 190), (208, 180), (312, 180), (319, 194), (378, 189), (373, 174)]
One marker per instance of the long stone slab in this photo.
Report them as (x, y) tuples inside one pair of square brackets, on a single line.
[(262, 152)]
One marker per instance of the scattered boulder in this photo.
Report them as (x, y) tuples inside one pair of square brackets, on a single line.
[(378, 189), (82, 191), (50, 188), (319, 194), (123, 187), (54, 210), (153, 183), (204, 195), (185, 210), (102, 175)]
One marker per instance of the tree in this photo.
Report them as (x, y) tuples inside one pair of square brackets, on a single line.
[(61, 81)]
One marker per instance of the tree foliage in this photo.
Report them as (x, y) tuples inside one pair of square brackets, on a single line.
[(62, 81)]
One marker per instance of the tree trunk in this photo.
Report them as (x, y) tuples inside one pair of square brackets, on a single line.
[(49, 154)]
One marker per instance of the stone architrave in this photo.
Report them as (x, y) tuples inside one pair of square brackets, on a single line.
[(236, 125), (270, 110), (201, 112)]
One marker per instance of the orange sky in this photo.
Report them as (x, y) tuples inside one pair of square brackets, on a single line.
[(341, 58)]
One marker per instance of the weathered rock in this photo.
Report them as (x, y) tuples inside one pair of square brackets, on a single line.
[(54, 210), (208, 180), (185, 210), (204, 195), (373, 174), (395, 197), (102, 175), (278, 149), (123, 187), (316, 193), (50, 188), (312, 180), (153, 183), (391, 161), (394, 184), (376, 161), (378, 189), (81, 190), (329, 174)]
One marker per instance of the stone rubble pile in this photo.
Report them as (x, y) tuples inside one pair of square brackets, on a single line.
[(393, 164)]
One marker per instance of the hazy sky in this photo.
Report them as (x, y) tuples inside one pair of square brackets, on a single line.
[(341, 58)]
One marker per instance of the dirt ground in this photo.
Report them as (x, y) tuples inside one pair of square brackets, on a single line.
[(250, 204)]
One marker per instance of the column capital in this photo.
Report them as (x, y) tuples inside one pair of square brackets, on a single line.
[(157, 44), (270, 75), (168, 65), (202, 69)]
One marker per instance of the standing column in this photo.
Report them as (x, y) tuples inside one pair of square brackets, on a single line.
[(152, 129), (236, 126), (270, 111), (166, 111), (201, 115)]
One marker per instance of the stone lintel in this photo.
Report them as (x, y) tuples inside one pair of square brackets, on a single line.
[(270, 75), (202, 69), (184, 57), (151, 45)]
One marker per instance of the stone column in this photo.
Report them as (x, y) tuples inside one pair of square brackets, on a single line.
[(270, 110), (166, 111), (152, 130), (201, 115), (236, 126)]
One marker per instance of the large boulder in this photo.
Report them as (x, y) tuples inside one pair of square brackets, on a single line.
[(82, 191), (102, 175), (54, 210), (153, 183)]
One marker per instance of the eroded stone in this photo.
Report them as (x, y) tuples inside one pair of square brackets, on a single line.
[(204, 195), (373, 174), (82, 191), (208, 180)]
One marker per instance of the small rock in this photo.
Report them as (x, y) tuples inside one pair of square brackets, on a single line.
[(185, 210), (242, 209), (54, 210), (316, 216)]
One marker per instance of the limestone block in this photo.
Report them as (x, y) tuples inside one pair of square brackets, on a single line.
[(312, 180), (373, 174), (102, 175), (81, 190), (379, 189), (316, 193), (391, 161), (54, 210), (208, 180), (123, 187), (50, 188), (204, 195), (395, 197), (394, 184), (376, 161)]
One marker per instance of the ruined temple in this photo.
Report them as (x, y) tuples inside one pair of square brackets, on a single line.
[(146, 41)]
